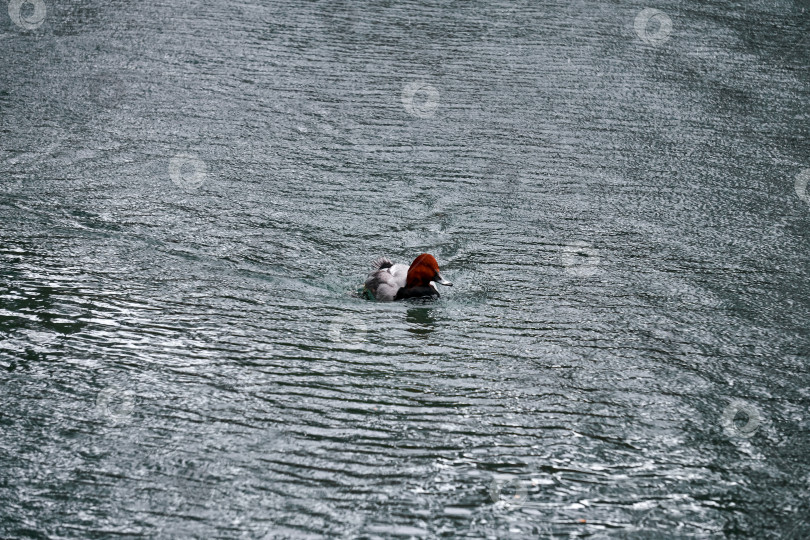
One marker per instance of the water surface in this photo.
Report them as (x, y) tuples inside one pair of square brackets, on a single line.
[(192, 192)]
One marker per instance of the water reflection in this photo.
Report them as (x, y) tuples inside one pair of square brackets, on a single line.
[(421, 321)]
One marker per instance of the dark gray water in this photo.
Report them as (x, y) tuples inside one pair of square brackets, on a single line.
[(192, 192)]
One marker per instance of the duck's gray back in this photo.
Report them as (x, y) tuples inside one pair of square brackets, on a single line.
[(385, 283)]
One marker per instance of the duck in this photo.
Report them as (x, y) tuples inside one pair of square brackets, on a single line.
[(389, 282)]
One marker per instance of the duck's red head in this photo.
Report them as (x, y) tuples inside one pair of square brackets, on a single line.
[(423, 270)]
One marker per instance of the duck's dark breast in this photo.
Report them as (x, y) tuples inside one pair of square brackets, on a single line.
[(415, 292)]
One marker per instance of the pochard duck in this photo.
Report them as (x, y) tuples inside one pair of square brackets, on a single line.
[(391, 281)]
